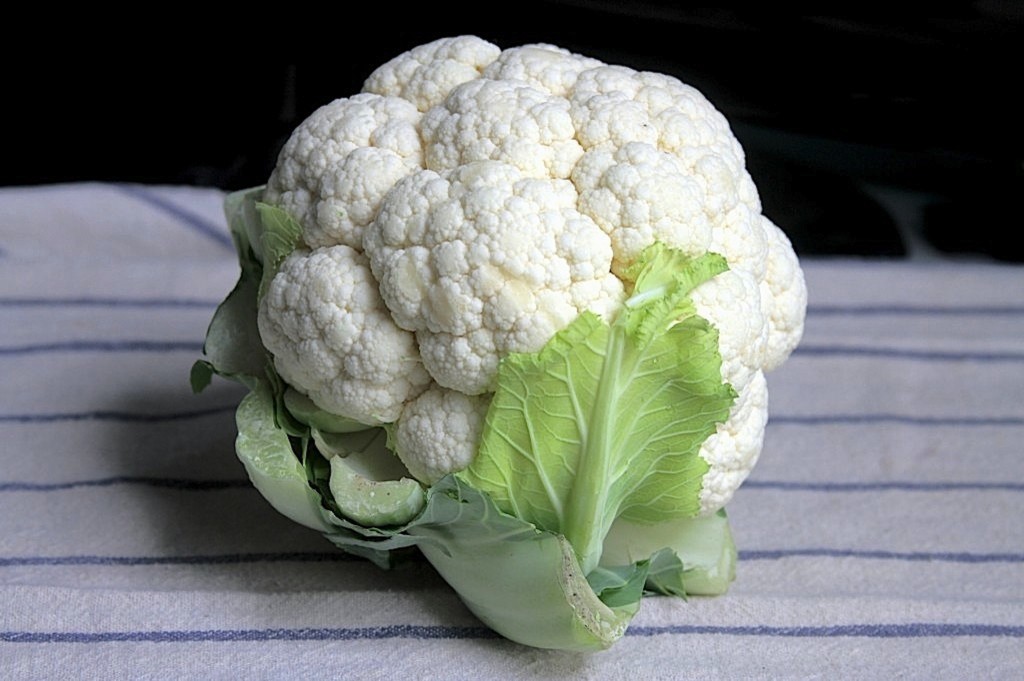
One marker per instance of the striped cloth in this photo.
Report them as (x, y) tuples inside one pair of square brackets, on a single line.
[(882, 534)]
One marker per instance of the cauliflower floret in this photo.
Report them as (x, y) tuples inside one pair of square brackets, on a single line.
[(502, 120), (338, 164), (546, 67), (732, 451), (785, 288), (439, 431), (608, 120), (686, 122), (740, 238), (483, 261), (426, 74), (731, 302), (662, 164), (639, 195), (323, 320)]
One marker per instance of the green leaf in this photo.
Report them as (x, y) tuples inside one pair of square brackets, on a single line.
[(524, 583), (367, 482), (374, 502), (244, 224), (620, 585), (306, 411), (607, 420), (280, 235), (282, 416), (201, 375), (664, 278), (233, 346), (273, 467), (263, 236), (691, 556), (665, 574)]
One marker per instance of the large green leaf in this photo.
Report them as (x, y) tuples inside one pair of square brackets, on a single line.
[(524, 583), (607, 419)]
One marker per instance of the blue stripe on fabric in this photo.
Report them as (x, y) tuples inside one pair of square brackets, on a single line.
[(395, 631), (900, 419), (804, 350), (904, 556), (186, 217), (183, 484), (441, 632), (127, 417), (904, 353), (321, 557), (788, 486), (816, 310), (915, 310), (101, 301), (786, 420), (911, 630), (220, 559), (895, 485), (103, 346)]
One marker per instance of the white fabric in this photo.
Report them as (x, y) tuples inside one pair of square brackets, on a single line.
[(881, 535)]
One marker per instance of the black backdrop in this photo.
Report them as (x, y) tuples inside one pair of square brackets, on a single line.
[(863, 126)]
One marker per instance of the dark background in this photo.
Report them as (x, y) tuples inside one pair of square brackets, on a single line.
[(869, 131)]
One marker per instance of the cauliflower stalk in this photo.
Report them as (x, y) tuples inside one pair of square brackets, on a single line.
[(513, 308)]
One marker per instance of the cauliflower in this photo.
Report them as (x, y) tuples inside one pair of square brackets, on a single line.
[(543, 287), (499, 194), (333, 339)]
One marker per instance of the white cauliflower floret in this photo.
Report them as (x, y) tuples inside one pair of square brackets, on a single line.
[(546, 67), (426, 74), (639, 195), (323, 320), (338, 164), (733, 450), (501, 120), (740, 237), (439, 431), (643, 130), (731, 302), (785, 287), (686, 122), (609, 120), (482, 262)]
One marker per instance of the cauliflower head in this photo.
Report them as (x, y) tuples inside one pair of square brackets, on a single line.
[(515, 308), (484, 199)]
